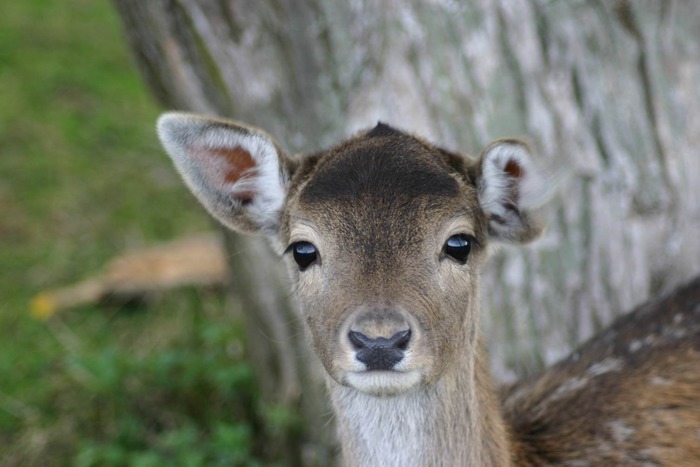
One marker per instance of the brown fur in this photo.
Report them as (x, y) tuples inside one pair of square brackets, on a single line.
[(645, 409), (379, 208)]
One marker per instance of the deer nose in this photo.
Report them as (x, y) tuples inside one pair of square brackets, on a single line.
[(380, 353)]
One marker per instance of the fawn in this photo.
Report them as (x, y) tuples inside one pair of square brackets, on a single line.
[(384, 236)]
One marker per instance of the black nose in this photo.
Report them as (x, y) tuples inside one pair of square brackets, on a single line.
[(380, 353)]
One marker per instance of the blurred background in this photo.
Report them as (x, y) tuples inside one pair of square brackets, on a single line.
[(607, 93), (83, 178)]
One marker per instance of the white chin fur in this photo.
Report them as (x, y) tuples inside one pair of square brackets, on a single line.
[(383, 383)]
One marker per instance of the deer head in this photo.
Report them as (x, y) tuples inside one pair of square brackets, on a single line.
[(384, 236)]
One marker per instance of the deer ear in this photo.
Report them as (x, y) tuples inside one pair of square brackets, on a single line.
[(511, 188), (236, 172)]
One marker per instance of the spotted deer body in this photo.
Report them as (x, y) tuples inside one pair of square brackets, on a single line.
[(384, 236)]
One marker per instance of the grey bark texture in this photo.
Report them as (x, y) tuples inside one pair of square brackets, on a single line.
[(607, 92)]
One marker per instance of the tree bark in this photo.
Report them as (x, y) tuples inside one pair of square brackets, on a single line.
[(607, 92)]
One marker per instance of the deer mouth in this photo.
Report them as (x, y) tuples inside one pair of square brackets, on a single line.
[(383, 383)]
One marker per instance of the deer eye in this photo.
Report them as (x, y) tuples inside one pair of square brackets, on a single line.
[(305, 254), (457, 247)]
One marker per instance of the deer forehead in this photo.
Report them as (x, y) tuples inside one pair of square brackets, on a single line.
[(381, 195)]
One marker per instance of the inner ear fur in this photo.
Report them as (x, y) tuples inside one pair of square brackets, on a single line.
[(237, 172), (511, 188)]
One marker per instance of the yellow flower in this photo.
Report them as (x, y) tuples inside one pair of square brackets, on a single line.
[(42, 306)]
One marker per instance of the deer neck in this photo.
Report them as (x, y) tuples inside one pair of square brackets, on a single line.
[(454, 421)]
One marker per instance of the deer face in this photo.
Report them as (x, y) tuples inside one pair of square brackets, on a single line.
[(384, 236), (385, 239)]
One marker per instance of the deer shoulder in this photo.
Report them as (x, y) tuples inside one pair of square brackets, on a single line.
[(628, 396)]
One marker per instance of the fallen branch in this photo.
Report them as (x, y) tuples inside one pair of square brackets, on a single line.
[(196, 260)]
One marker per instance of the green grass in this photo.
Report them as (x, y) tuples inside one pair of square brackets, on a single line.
[(82, 178)]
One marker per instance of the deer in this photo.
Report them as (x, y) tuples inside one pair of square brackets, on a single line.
[(384, 236)]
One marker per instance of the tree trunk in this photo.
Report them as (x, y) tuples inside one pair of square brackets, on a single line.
[(607, 92)]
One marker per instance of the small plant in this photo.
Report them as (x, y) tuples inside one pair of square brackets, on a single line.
[(191, 404)]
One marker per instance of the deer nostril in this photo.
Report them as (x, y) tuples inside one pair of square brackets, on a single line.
[(358, 340), (380, 353), (402, 339), (399, 340)]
